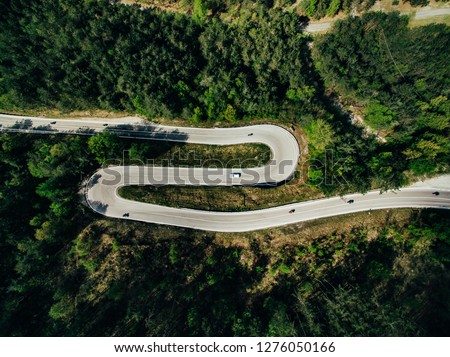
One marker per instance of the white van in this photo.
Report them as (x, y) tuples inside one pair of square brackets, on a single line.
[(235, 175)]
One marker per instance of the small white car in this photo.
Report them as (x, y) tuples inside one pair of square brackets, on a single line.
[(235, 175)]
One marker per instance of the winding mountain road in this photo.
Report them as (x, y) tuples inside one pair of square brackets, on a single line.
[(102, 196)]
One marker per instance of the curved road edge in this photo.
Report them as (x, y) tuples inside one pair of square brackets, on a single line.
[(412, 197), (103, 198)]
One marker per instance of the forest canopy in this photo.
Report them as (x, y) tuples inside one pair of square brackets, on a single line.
[(70, 55), (80, 55), (400, 76), (311, 8), (66, 271)]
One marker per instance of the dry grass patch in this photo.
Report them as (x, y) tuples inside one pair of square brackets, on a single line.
[(230, 156), (226, 199)]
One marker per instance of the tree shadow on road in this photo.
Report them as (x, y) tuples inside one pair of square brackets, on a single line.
[(98, 206)]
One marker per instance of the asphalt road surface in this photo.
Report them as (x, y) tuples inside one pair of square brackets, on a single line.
[(419, 14), (101, 190)]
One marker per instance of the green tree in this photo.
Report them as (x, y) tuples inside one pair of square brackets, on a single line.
[(230, 113), (199, 12), (333, 8), (379, 116), (320, 136), (103, 146)]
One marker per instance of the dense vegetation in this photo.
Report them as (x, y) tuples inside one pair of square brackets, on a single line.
[(400, 77), (83, 55), (312, 8), (77, 55), (320, 8), (66, 272)]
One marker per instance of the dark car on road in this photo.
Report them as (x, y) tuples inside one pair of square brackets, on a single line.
[(350, 201)]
